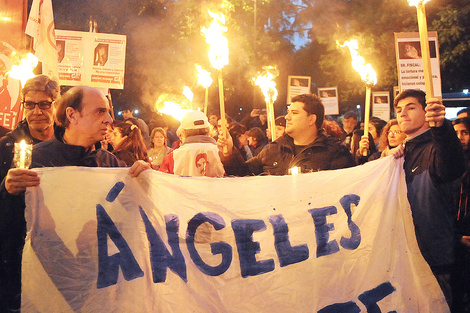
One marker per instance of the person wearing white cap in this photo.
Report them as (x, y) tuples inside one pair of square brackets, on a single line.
[(198, 155)]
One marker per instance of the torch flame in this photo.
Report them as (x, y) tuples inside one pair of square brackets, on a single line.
[(174, 109), (188, 93), (417, 2), (203, 77), (24, 71), (218, 51), (172, 105), (267, 85), (366, 71)]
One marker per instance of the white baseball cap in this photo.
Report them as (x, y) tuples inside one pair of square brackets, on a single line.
[(194, 120)]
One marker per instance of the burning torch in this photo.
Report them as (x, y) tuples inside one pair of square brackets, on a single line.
[(368, 76), (218, 56), (268, 87)]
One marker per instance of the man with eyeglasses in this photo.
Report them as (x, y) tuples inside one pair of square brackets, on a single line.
[(39, 94)]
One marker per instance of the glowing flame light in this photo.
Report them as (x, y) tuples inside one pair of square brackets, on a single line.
[(174, 109), (218, 51), (203, 77), (188, 93), (417, 2), (267, 85), (24, 71), (366, 71)]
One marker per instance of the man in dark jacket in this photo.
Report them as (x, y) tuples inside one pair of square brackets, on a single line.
[(304, 146), (38, 94), (82, 116), (434, 159)]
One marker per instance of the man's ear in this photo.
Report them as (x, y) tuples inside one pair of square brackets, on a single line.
[(71, 115), (312, 119)]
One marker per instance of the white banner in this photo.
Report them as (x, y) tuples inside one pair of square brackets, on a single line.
[(333, 241)]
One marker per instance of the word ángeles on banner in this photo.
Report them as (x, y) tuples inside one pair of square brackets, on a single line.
[(243, 230)]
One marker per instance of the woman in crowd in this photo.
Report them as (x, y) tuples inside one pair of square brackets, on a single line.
[(128, 143), (376, 126), (391, 137), (159, 150), (240, 140), (256, 140)]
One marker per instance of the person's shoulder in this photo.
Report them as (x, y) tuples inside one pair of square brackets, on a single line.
[(107, 159), (44, 145)]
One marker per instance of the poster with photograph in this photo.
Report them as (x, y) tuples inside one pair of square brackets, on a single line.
[(410, 63), (95, 59), (329, 97), (381, 105), (297, 85)]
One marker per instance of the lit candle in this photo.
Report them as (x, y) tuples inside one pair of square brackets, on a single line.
[(22, 154), (294, 170)]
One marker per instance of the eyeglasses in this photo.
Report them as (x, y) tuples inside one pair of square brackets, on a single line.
[(398, 132), (43, 105)]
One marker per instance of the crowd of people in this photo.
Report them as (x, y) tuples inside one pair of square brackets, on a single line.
[(76, 129)]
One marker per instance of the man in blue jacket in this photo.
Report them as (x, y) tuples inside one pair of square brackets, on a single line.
[(434, 159)]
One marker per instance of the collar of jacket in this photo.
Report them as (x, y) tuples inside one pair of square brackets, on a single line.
[(68, 151), (287, 142), (200, 139)]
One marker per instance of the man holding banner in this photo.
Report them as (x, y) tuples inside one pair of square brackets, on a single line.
[(304, 146), (434, 159), (82, 116)]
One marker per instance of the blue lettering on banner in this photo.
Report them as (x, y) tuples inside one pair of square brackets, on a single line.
[(286, 253), (216, 248), (114, 192), (371, 297), (368, 298), (247, 248), (108, 266), (322, 228), (353, 242), (160, 257), (347, 307)]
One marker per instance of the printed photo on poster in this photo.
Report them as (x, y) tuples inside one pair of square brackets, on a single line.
[(101, 54), (60, 45)]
